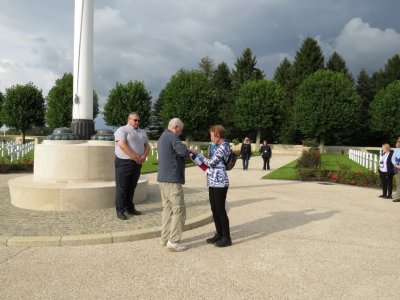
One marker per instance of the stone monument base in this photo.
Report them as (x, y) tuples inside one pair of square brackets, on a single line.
[(28, 193), (71, 176)]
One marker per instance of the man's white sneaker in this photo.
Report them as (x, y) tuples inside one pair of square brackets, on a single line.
[(176, 247)]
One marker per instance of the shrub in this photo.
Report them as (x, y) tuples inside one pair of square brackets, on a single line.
[(310, 158), (306, 174), (235, 142), (346, 176)]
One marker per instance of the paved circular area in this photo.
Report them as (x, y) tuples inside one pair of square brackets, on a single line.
[(22, 227)]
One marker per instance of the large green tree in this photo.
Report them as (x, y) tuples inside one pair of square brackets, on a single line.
[(190, 96), (384, 118), (23, 108), (59, 103), (127, 98), (259, 106), (326, 103)]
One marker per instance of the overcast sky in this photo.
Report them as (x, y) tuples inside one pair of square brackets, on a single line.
[(150, 40)]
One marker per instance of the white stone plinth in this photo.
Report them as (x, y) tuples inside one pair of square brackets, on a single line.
[(71, 176)]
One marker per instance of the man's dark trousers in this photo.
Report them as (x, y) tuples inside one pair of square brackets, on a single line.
[(127, 173)]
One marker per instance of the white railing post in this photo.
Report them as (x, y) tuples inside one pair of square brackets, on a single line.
[(365, 159), (375, 163)]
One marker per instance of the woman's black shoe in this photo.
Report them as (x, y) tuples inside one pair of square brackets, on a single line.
[(224, 242), (214, 239)]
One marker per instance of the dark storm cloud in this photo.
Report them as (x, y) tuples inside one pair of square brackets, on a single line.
[(151, 40)]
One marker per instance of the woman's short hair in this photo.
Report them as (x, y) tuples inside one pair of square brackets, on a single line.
[(218, 130)]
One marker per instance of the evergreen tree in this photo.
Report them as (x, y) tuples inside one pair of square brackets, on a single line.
[(156, 127), (282, 72), (282, 75), (364, 88), (207, 66), (23, 108), (245, 69), (336, 63), (224, 100), (308, 60), (389, 74), (127, 98)]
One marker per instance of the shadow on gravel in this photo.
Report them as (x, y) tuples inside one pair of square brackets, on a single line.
[(275, 222)]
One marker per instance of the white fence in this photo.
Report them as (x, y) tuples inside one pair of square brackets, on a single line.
[(365, 159), (14, 150)]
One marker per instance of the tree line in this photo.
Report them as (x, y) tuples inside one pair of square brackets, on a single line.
[(307, 99)]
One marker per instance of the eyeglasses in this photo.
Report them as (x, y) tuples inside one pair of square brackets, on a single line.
[(135, 120)]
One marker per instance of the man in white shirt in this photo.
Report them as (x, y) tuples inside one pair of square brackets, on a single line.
[(131, 150)]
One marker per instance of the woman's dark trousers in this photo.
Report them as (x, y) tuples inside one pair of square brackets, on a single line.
[(266, 163), (387, 183), (217, 201)]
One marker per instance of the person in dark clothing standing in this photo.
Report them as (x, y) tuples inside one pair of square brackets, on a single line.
[(245, 153), (131, 150), (266, 154), (386, 171)]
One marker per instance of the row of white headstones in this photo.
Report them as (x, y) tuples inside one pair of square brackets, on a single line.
[(15, 150)]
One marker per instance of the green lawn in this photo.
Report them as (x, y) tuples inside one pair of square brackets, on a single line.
[(328, 162)]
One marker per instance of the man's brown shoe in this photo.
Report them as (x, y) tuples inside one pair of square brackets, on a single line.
[(396, 200)]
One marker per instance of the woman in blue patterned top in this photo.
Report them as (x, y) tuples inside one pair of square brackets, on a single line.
[(218, 184)]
